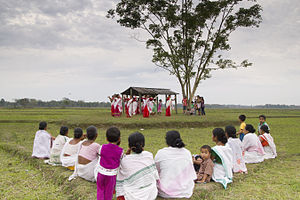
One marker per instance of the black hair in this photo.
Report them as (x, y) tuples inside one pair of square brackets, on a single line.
[(242, 118), (42, 125), (265, 128), (263, 116), (113, 134), (220, 134), (206, 147), (136, 141), (250, 128), (78, 133), (91, 132), (173, 139), (231, 131), (63, 130)]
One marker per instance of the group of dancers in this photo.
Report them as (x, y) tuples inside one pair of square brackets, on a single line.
[(149, 105)]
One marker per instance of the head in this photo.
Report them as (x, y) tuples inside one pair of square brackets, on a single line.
[(173, 139), (113, 135), (91, 133), (205, 152), (78, 133), (230, 131), (219, 136), (160, 101), (43, 126), (264, 129), (249, 129), (242, 118), (64, 130), (136, 142), (262, 118)]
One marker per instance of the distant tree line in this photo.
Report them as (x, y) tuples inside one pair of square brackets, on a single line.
[(65, 102), (68, 103)]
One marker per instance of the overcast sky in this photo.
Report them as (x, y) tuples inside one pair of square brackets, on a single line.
[(52, 49)]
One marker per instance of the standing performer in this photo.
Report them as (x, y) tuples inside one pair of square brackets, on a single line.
[(118, 106), (130, 107), (112, 102), (146, 106), (135, 105), (125, 99), (169, 106)]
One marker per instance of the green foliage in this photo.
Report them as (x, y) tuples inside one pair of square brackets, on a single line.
[(187, 37)]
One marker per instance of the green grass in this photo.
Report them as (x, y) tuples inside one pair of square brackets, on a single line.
[(273, 179)]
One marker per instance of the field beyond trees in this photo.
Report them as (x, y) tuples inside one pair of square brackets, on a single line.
[(22, 177)]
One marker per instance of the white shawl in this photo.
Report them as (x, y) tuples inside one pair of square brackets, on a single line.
[(176, 172), (271, 149), (223, 172), (69, 161), (41, 144), (237, 154), (254, 151), (137, 177)]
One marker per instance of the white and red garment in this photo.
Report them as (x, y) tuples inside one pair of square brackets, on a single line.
[(118, 106), (130, 107), (254, 152)]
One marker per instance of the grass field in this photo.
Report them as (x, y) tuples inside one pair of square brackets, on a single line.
[(22, 177)]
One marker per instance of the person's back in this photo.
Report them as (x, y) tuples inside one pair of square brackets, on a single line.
[(42, 142)]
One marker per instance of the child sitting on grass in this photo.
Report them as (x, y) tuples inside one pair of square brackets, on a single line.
[(237, 150), (69, 153), (58, 145), (262, 121), (42, 142), (107, 168), (267, 142), (205, 164), (241, 134)]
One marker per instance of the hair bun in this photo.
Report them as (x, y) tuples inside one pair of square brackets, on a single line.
[(179, 143)]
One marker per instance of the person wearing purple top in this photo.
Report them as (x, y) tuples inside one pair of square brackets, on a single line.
[(107, 168)]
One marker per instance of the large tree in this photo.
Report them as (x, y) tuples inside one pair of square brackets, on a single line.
[(189, 37)]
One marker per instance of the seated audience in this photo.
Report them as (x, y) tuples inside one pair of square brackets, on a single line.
[(175, 168), (58, 145), (137, 174), (267, 142), (205, 163)]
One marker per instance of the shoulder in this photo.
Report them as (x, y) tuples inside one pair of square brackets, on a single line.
[(147, 153)]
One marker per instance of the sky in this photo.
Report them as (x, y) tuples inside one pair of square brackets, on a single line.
[(53, 49)]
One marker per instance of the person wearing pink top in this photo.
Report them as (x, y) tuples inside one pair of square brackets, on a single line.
[(107, 167), (87, 156)]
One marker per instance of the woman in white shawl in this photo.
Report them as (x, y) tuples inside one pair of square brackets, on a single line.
[(175, 168), (87, 157), (70, 150), (267, 142), (254, 152), (237, 150), (137, 174), (222, 157)]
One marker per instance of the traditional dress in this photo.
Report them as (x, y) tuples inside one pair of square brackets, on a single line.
[(146, 107), (113, 106), (118, 107), (135, 106), (130, 107), (107, 169), (159, 108), (72, 150), (87, 171), (254, 152), (176, 172), (55, 151), (41, 144), (137, 177), (268, 145), (237, 151), (169, 106), (223, 171)]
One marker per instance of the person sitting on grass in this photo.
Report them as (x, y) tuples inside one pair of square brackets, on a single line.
[(205, 163), (57, 146), (175, 168), (237, 150), (241, 134), (267, 142), (222, 156), (254, 152), (70, 150), (87, 156), (137, 177), (262, 121), (107, 167), (42, 142)]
